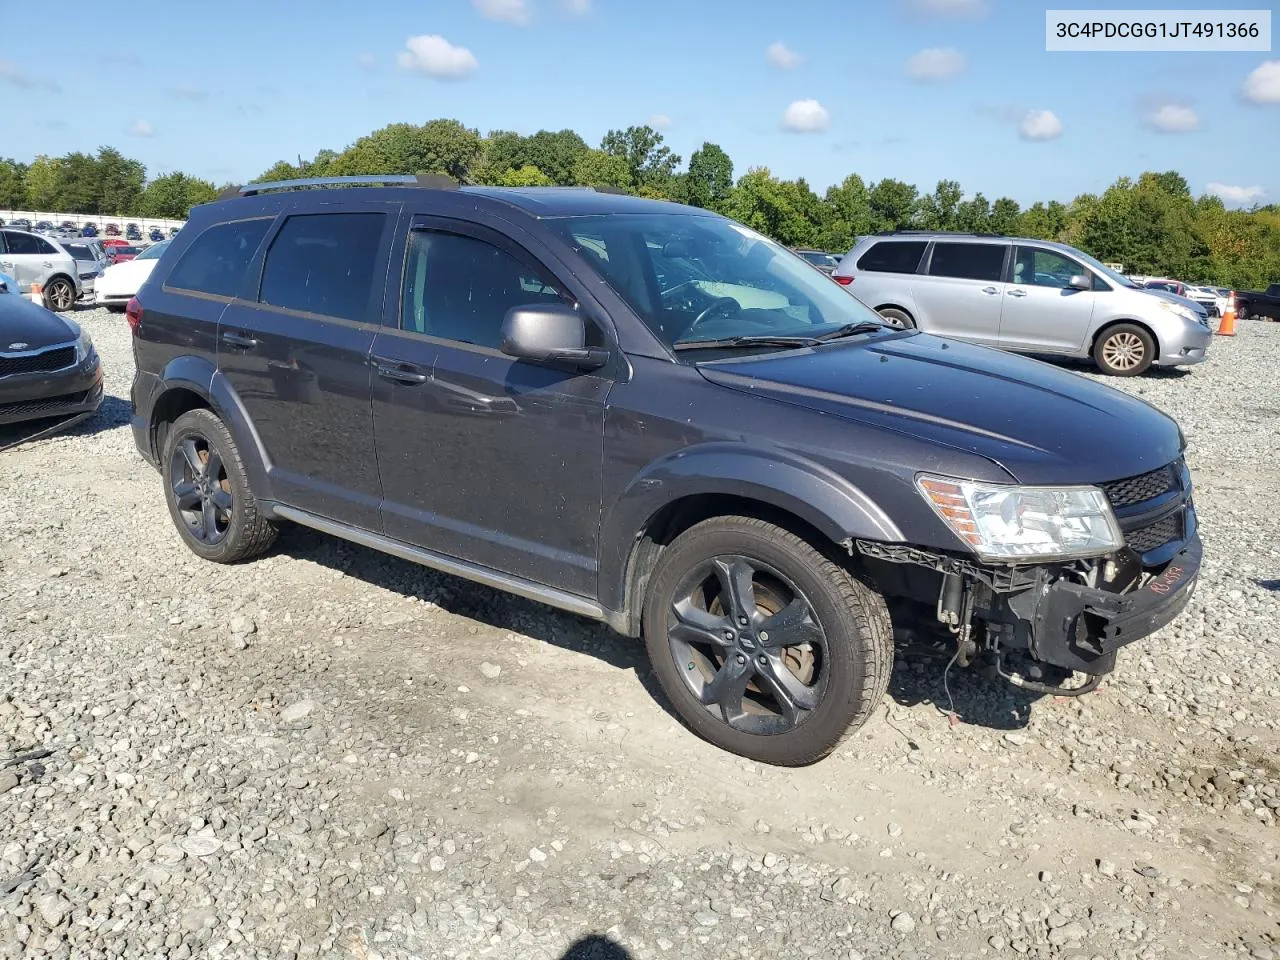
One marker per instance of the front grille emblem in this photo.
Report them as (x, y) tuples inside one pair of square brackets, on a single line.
[(18, 346)]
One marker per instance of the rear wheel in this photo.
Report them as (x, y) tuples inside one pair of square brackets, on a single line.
[(896, 318), (765, 646), (59, 294), (1124, 350)]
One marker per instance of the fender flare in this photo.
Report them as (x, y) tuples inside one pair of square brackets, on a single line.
[(815, 494), (203, 379)]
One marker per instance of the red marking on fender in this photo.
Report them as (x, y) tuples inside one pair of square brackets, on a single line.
[(1166, 581)]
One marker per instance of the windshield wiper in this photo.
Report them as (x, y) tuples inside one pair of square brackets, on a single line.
[(748, 342), (852, 329)]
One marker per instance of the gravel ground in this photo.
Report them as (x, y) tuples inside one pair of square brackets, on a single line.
[(331, 753)]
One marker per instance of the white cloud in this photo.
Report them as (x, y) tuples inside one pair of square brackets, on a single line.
[(1263, 85), (140, 128), (434, 56), (579, 8), (948, 9), (659, 121), (805, 116), (1172, 118), (509, 11), (10, 73), (1040, 125), (782, 56), (936, 63), (1236, 195)]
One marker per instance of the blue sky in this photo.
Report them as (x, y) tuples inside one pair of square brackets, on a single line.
[(223, 90)]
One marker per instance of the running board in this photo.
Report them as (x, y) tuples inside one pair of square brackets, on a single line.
[(450, 565)]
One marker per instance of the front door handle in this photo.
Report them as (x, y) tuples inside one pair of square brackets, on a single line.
[(399, 372), (991, 290), (241, 340), (1017, 293)]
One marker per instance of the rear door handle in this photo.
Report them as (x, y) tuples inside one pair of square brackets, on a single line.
[(399, 372), (1017, 293), (991, 290), (239, 340)]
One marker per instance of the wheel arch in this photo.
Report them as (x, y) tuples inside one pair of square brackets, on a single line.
[(1112, 324), (694, 485)]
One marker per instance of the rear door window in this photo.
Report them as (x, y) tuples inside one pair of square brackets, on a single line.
[(893, 256), (24, 243), (217, 261), (324, 263), (968, 261)]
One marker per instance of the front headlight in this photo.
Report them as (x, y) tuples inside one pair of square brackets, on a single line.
[(84, 346), (1024, 524), (1185, 312)]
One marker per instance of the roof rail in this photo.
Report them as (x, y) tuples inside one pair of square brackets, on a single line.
[(950, 233), (428, 181)]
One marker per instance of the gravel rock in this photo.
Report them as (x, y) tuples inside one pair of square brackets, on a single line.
[(140, 714)]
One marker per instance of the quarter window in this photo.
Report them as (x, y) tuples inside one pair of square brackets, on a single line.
[(893, 256), (218, 259), (1044, 268), (968, 261), (324, 263), (460, 288)]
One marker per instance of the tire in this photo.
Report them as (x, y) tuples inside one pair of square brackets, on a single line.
[(60, 295), (1124, 350), (897, 318), (218, 516), (833, 672)]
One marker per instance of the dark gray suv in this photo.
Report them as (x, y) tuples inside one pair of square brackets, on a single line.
[(650, 415)]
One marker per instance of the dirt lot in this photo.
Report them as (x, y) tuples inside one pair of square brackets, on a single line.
[(331, 753)]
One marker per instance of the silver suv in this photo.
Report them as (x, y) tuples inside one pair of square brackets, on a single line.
[(1029, 296), (30, 258)]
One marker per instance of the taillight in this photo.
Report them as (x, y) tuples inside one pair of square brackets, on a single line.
[(843, 281), (133, 313)]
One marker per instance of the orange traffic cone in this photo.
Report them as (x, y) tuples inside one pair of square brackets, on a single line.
[(1227, 325), (37, 294)]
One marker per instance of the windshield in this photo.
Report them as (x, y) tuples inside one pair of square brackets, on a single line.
[(154, 251), (700, 278)]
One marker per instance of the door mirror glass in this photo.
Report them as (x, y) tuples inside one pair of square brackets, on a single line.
[(549, 332), (1081, 281)]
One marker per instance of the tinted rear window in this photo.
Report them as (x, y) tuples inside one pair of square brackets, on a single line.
[(893, 256), (81, 252), (968, 261), (324, 263), (216, 262)]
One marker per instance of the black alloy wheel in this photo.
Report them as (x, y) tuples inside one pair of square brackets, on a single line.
[(201, 489)]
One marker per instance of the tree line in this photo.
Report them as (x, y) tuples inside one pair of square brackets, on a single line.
[(1152, 224)]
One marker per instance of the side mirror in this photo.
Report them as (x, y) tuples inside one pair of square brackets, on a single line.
[(1081, 281), (550, 333)]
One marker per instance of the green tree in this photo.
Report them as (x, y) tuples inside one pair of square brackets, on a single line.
[(121, 182), (892, 205), (648, 160), (786, 210), (848, 214), (526, 176), (974, 215), (938, 210), (437, 147), (173, 195), (13, 187), (43, 183), (1004, 216), (710, 177), (595, 168)]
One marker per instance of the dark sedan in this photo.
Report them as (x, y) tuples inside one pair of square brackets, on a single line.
[(48, 366)]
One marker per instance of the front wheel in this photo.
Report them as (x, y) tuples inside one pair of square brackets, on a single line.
[(764, 645), (1124, 350)]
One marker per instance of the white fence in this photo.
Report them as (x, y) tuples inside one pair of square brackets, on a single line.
[(80, 219)]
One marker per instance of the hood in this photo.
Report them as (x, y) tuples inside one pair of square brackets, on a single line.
[(1196, 308), (22, 321), (1042, 424)]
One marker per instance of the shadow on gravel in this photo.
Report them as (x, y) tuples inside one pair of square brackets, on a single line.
[(975, 698), (1080, 365), (595, 947), (113, 413)]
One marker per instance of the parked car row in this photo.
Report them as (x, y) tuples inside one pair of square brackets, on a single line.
[(68, 230)]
